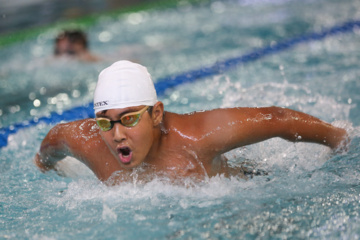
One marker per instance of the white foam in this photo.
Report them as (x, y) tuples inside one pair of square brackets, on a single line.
[(73, 168)]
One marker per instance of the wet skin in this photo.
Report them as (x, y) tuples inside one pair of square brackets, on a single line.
[(178, 145)]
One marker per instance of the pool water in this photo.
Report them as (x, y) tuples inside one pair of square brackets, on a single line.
[(308, 193)]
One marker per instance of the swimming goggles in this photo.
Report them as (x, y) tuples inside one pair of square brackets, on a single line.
[(127, 120)]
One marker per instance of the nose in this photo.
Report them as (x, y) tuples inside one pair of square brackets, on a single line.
[(119, 132)]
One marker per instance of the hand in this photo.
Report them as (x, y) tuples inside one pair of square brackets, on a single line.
[(343, 145)]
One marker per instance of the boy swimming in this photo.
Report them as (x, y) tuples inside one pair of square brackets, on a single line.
[(73, 44), (131, 130)]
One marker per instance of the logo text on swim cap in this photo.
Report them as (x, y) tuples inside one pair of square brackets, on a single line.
[(100, 104)]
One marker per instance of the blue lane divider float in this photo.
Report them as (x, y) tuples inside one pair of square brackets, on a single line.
[(172, 81)]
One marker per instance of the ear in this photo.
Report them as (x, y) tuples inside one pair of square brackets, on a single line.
[(157, 113)]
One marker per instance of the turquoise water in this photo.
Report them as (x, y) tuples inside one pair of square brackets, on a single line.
[(308, 192)]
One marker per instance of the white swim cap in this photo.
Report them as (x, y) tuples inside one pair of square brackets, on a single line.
[(124, 84)]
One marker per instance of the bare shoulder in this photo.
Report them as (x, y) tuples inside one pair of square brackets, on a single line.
[(84, 126), (221, 129), (197, 127), (207, 126), (74, 133), (204, 120)]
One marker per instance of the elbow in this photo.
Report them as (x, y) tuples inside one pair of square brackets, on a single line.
[(52, 150), (285, 123), (42, 165)]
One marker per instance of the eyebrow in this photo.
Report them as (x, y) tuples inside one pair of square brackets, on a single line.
[(101, 114)]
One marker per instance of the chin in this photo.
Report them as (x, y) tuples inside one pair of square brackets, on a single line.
[(129, 165)]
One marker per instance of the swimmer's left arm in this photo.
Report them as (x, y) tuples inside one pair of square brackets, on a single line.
[(243, 126)]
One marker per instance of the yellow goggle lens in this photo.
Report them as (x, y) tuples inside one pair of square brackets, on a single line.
[(104, 124), (128, 120)]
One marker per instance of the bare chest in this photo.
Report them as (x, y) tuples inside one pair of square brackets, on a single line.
[(186, 162)]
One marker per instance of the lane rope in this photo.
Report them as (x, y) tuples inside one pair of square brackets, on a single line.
[(169, 82)]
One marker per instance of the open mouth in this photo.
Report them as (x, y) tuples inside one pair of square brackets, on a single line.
[(124, 154)]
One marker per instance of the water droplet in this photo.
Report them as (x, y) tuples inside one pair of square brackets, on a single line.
[(32, 96), (42, 91), (37, 103)]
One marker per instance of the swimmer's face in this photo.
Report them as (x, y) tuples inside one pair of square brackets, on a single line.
[(64, 47), (129, 145)]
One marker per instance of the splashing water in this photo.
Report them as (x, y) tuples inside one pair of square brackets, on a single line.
[(303, 191)]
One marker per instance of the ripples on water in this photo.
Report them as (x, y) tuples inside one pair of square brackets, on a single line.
[(307, 193)]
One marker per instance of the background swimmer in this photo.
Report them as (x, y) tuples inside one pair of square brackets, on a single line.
[(73, 43), (132, 130)]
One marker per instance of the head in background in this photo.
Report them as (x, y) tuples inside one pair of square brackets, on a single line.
[(73, 43)]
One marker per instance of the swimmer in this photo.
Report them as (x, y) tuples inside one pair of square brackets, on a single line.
[(74, 44), (131, 131)]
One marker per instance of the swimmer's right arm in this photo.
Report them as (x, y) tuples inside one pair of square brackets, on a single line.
[(53, 149)]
